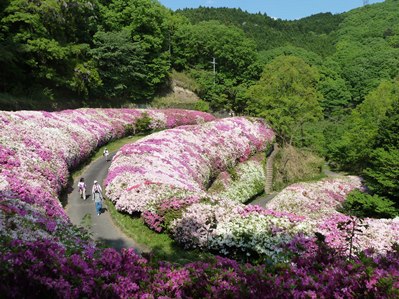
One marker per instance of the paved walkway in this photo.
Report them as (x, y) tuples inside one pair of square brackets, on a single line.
[(83, 212), (263, 199)]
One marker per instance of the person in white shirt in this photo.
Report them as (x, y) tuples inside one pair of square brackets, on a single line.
[(82, 188)]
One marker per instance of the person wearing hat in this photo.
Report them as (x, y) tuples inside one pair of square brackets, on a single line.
[(97, 197)]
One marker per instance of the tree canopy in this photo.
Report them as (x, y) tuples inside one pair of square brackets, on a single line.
[(287, 96)]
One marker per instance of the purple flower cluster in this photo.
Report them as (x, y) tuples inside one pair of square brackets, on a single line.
[(45, 269)]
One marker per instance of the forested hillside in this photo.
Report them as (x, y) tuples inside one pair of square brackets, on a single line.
[(311, 33), (57, 54), (327, 82)]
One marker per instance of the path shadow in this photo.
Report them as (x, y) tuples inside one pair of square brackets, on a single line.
[(117, 244), (66, 191)]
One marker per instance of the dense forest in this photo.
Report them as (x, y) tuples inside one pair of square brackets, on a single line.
[(328, 83)]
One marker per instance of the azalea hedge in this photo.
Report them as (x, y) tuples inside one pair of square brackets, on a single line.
[(319, 202), (165, 177), (42, 255), (37, 149), (182, 161)]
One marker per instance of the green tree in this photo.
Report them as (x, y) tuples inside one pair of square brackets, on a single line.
[(45, 38), (354, 148), (194, 46), (286, 96), (121, 65), (382, 175), (336, 95), (150, 25)]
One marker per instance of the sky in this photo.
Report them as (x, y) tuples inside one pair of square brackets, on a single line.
[(283, 9)]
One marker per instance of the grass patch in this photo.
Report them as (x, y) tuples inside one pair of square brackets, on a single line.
[(292, 165), (86, 222), (162, 247)]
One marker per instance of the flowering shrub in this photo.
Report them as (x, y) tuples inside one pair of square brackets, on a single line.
[(233, 229), (43, 256), (242, 182), (181, 162), (318, 202), (37, 148)]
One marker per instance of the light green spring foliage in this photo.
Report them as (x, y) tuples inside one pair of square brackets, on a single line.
[(287, 97), (358, 141)]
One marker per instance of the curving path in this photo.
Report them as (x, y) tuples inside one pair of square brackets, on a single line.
[(83, 213)]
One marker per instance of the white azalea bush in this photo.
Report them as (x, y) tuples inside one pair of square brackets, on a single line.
[(234, 229), (182, 160), (318, 203), (242, 182)]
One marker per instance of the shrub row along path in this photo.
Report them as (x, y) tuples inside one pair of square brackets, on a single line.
[(83, 213)]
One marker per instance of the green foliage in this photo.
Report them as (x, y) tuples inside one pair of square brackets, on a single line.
[(312, 33), (202, 106), (361, 204), (86, 79), (120, 64), (383, 174), (286, 96), (336, 95), (150, 25), (194, 46), (143, 123), (367, 50), (49, 39), (309, 57), (357, 142)]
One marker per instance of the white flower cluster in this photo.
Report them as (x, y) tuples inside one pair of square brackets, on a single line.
[(243, 182), (222, 226)]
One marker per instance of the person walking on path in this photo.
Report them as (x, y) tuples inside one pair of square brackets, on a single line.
[(82, 188), (106, 154), (97, 197)]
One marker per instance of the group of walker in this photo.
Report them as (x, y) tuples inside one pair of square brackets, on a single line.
[(96, 192)]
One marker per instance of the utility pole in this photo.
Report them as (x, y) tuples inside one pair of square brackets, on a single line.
[(214, 69)]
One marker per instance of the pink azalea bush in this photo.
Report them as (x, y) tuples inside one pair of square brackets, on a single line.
[(61, 262), (317, 202), (37, 149), (181, 161)]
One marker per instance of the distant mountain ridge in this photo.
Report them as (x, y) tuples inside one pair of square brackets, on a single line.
[(314, 33)]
